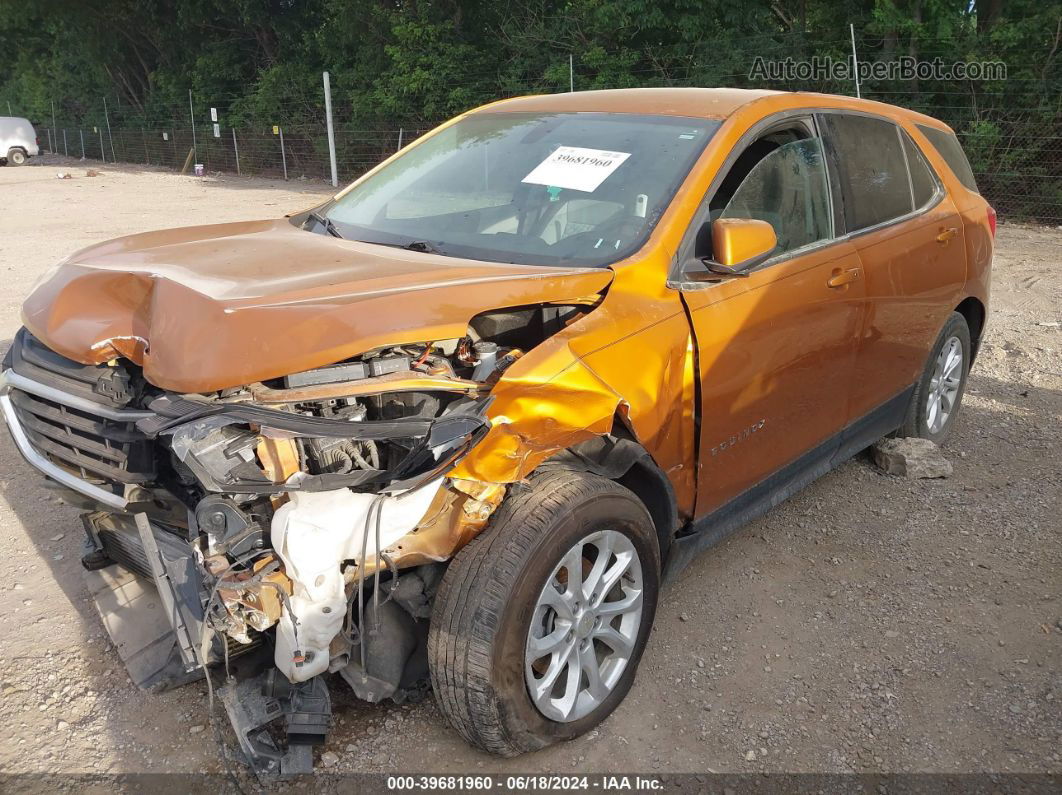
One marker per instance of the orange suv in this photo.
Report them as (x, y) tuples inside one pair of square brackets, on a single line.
[(452, 428)]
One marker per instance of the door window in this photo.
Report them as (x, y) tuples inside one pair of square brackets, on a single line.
[(923, 181), (873, 172), (788, 189)]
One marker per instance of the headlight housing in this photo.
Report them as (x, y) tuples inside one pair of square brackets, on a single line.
[(220, 443)]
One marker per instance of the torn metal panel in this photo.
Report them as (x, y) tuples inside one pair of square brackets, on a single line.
[(459, 512), (632, 357), (548, 400), (392, 382)]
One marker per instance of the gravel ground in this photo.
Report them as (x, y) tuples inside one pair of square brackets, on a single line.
[(869, 624)]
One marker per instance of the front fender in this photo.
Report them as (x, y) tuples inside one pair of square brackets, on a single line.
[(544, 404)]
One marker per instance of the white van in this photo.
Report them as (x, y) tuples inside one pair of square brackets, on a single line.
[(18, 141)]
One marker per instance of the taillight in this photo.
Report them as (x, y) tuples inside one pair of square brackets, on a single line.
[(992, 220)]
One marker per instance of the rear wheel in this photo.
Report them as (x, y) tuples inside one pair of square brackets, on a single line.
[(16, 157), (540, 623), (938, 395)]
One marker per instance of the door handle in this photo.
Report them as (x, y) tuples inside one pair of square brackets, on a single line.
[(947, 234), (841, 278)]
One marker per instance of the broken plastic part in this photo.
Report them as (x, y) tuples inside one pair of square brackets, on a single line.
[(279, 458), (206, 437), (253, 704), (314, 533)]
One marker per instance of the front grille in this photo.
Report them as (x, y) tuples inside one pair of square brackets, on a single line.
[(96, 448)]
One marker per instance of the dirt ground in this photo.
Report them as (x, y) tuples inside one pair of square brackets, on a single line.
[(869, 624)]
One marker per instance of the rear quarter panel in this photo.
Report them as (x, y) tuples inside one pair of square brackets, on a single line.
[(973, 210)]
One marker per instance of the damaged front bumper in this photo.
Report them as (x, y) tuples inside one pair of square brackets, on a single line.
[(13, 384), (198, 438), (265, 547)]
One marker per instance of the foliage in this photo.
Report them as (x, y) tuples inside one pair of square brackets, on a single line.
[(411, 63)]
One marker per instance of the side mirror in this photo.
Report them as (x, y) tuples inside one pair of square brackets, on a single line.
[(738, 246), (737, 241)]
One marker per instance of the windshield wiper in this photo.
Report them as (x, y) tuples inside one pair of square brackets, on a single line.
[(423, 246), (326, 222)]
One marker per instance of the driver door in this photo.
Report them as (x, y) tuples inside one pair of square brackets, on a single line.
[(775, 349)]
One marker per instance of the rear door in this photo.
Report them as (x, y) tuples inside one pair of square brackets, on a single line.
[(774, 350), (909, 237)]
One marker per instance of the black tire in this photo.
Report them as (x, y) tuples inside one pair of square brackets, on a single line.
[(916, 422), (16, 157), (482, 614)]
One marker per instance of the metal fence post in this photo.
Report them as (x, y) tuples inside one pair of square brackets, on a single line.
[(47, 130), (81, 133), (283, 157), (66, 152), (331, 134), (103, 157), (855, 61), (110, 137), (191, 111), (236, 151), (400, 131), (54, 125)]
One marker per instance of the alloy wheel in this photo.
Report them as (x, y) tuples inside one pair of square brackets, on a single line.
[(944, 385), (584, 627)]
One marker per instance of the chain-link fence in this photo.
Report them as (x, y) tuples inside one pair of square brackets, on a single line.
[(290, 153), (1016, 152)]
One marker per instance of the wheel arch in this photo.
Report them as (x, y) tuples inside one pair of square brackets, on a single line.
[(619, 457), (974, 312)]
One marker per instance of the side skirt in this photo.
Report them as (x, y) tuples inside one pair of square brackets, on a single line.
[(756, 501)]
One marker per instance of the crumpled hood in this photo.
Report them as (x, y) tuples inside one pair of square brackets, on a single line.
[(210, 307)]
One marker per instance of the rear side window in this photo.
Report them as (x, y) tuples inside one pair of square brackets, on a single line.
[(923, 180), (950, 149), (873, 169)]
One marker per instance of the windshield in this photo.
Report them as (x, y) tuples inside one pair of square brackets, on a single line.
[(548, 189)]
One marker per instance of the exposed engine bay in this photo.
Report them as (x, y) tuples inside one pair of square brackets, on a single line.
[(293, 528)]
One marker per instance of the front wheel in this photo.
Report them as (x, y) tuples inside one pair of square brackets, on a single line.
[(540, 623)]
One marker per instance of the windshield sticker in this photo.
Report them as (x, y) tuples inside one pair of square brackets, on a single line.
[(576, 168)]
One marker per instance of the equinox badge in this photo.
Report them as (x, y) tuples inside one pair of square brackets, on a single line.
[(740, 436)]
